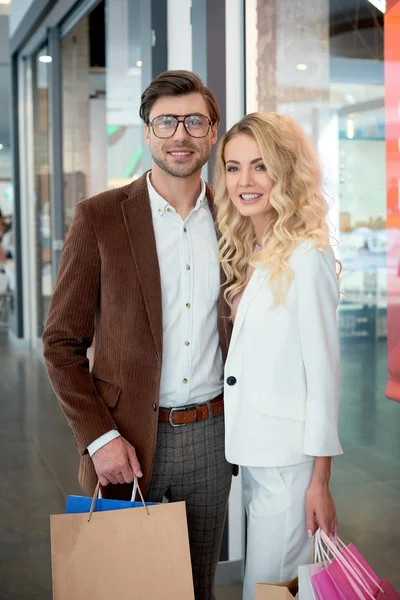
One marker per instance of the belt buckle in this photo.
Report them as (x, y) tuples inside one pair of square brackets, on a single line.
[(171, 412)]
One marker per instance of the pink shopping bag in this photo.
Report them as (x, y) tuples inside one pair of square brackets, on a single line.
[(389, 593), (347, 575), (324, 586), (342, 577)]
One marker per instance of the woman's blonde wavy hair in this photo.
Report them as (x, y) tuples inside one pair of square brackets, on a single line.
[(299, 207)]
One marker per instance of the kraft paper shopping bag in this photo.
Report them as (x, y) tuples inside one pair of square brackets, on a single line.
[(278, 591), (129, 554)]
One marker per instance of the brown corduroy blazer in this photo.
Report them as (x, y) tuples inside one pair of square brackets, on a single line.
[(108, 286)]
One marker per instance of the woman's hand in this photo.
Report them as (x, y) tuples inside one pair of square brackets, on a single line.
[(320, 509)]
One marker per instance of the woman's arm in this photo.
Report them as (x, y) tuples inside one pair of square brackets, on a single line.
[(320, 508), (318, 296)]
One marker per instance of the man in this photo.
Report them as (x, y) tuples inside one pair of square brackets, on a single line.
[(140, 271)]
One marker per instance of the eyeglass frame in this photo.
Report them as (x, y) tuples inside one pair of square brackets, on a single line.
[(182, 120)]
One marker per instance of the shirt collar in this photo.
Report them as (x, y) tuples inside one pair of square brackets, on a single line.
[(159, 205)]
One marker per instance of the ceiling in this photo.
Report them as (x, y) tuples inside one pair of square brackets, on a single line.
[(356, 29)]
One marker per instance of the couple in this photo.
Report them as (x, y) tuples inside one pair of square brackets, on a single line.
[(140, 271)]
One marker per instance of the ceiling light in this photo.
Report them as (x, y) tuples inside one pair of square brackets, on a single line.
[(379, 4), (45, 58), (301, 67), (1, 146), (5, 1), (139, 63)]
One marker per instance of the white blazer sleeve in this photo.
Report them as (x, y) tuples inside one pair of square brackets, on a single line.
[(318, 298)]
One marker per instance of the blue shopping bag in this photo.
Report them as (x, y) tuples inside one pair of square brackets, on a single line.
[(82, 504)]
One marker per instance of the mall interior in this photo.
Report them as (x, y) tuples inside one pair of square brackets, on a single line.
[(71, 76)]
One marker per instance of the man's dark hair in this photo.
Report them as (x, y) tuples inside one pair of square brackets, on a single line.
[(177, 83)]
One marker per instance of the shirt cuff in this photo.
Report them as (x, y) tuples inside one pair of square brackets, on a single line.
[(102, 441)]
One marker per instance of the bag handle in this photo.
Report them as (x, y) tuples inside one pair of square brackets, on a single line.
[(337, 546), (136, 487), (321, 553), (354, 577), (342, 564)]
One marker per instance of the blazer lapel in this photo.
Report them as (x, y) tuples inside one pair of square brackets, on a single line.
[(256, 281), (139, 224)]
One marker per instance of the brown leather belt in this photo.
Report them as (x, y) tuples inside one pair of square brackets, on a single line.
[(191, 414)]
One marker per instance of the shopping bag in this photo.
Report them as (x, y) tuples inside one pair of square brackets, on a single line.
[(82, 504), (346, 575), (324, 587), (306, 590), (277, 591), (131, 554), (343, 578), (388, 592)]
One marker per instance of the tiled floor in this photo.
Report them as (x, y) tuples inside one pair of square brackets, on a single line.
[(39, 465)]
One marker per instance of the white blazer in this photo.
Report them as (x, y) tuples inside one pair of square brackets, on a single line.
[(282, 370)]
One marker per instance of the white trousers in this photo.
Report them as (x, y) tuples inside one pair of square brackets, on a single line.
[(277, 539)]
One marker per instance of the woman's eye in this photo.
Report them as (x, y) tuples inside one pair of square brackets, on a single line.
[(231, 169), (260, 167)]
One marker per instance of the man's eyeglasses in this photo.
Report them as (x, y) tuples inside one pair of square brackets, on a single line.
[(196, 126)]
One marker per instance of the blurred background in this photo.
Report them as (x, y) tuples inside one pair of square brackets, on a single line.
[(71, 76)]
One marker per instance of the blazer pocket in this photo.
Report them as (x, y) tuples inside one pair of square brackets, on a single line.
[(280, 406), (108, 392)]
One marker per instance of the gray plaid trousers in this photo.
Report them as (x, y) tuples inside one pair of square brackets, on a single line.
[(190, 465)]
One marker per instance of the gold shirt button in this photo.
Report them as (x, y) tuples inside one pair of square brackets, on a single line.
[(187, 343), (185, 381), (188, 305), (188, 267)]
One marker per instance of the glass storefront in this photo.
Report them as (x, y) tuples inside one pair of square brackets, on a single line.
[(40, 97), (83, 101), (321, 62), (101, 73), (124, 89)]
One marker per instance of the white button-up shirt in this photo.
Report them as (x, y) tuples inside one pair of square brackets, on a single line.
[(192, 368)]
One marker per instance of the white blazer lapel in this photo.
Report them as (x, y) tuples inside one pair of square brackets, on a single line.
[(257, 279)]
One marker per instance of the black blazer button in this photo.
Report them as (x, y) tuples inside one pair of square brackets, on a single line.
[(154, 406), (231, 380)]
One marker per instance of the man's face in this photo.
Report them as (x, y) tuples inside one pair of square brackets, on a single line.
[(180, 155)]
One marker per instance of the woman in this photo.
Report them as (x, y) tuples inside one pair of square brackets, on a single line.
[(281, 383)]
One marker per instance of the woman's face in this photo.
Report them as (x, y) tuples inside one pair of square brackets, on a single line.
[(247, 180)]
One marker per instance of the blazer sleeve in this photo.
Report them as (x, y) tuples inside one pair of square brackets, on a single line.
[(69, 332), (318, 298)]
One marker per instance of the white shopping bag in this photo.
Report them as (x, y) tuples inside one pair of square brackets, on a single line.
[(306, 591)]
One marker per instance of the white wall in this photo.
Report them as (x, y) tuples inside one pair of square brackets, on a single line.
[(98, 146), (234, 61), (179, 35), (18, 9)]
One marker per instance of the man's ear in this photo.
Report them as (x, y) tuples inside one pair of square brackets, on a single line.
[(147, 134), (214, 133)]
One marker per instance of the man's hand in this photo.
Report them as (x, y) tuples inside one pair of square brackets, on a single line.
[(116, 462)]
